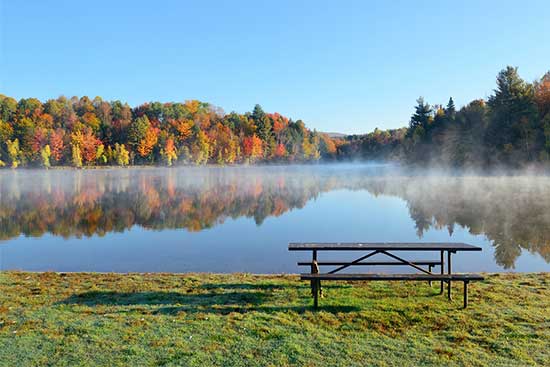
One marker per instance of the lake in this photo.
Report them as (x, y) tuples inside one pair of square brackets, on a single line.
[(240, 219)]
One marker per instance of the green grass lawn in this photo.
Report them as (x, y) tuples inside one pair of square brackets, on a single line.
[(84, 319)]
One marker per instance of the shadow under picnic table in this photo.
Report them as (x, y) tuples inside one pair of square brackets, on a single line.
[(208, 299)]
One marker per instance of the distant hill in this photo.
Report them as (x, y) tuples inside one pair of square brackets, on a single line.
[(336, 135)]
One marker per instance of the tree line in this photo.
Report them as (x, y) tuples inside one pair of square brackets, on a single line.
[(510, 128), (88, 132)]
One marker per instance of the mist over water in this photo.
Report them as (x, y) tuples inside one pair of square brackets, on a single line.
[(242, 218)]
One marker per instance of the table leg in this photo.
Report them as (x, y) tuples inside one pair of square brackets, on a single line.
[(314, 270), (442, 271), (449, 271), (465, 293)]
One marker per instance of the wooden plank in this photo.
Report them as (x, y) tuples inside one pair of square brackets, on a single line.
[(365, 263), (390, 246), (419, 277)]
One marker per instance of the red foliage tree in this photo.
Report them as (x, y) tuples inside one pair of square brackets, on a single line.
[(39, 139), (252, 146), (57, 144), (280, 151), (89, 146)]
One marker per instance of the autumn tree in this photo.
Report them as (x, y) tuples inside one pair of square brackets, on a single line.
[(122, 156), (57, 144), (149, 141), (252, 148), (169, 152), (76, 156), (13, 152), (182, 129), (280, 151), (200, 149), (45, 153), (327, 147)]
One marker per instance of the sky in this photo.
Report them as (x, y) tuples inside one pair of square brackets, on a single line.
[(341, 66)]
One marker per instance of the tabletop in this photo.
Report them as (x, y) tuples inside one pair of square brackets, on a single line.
[(381, 246)]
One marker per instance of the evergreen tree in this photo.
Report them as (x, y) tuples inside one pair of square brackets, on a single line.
[(450, 111), (258, 114), (511, 131), (422, 115)]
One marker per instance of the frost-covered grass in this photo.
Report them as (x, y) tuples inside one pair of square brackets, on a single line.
[(86, 319)]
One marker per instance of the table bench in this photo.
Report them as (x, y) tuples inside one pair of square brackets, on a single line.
[(385, 248)]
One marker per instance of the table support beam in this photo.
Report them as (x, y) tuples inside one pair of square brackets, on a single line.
[(354, 262), (405, 262)]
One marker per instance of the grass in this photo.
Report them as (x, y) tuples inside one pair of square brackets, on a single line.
[(84, 319)]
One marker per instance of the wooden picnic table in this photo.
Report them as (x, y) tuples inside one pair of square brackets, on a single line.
[(388, 249)]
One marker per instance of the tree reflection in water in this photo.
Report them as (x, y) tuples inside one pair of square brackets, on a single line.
[(512, 212)]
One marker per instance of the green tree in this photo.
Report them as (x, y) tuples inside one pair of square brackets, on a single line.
[(8, 108), (512, 130), (422, 115), (258, 114), (45, 154), (137, 131), (450, 110)]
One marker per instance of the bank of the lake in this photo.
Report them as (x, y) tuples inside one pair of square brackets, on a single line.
[(90, 319)]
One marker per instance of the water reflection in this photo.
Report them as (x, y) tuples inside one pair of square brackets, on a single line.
[(512, 212)]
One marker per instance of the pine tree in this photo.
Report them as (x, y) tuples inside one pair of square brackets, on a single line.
[(422, 115), (450, 111)]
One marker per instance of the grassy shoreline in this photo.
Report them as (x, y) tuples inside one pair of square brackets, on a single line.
[(106, 319)]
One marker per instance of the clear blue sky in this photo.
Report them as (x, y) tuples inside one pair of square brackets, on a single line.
[(346, 66)]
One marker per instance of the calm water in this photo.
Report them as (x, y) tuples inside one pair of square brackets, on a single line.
[(241, 219)]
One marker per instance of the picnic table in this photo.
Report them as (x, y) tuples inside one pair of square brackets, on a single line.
[(388, 249)]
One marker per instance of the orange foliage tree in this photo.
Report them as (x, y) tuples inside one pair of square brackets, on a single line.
[(89, 146), (252, 147), (147, 144)]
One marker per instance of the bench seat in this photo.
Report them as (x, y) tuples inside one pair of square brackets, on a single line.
[(316, 278), (383, 263), (419, 277)]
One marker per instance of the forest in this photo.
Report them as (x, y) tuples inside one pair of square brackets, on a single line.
[(511, 128), (82, 132)]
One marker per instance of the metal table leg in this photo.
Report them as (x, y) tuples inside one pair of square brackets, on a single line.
[(442, 271), (466, 293), (314, 270), (449, 271)]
